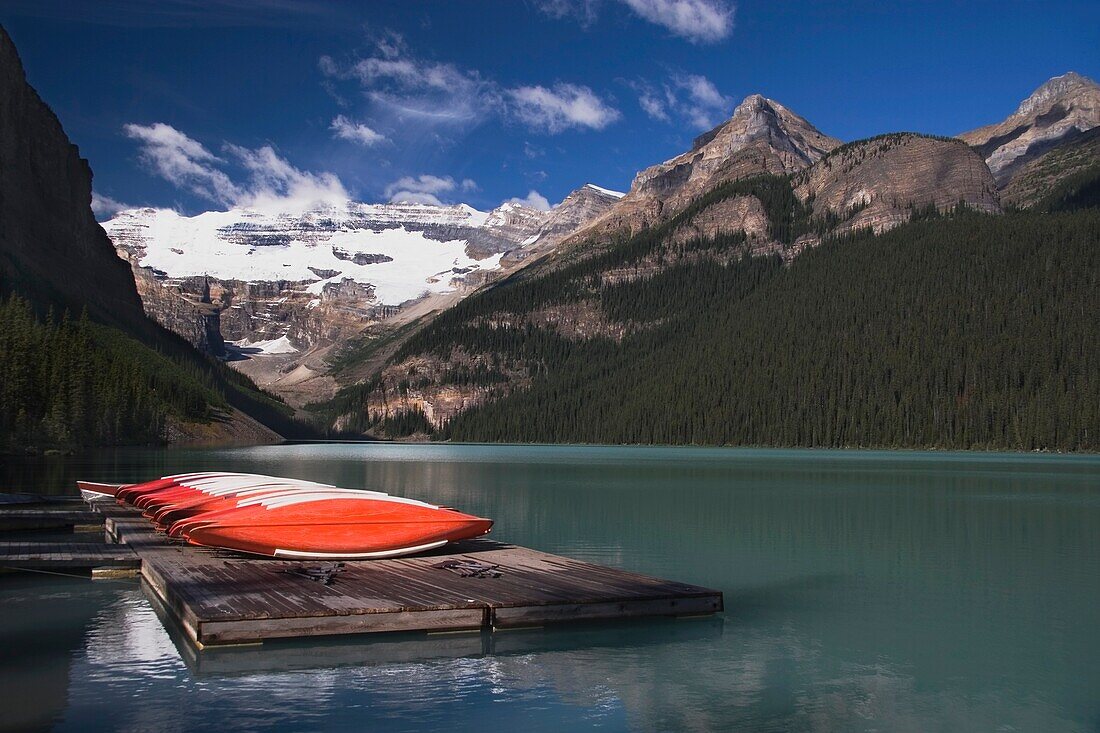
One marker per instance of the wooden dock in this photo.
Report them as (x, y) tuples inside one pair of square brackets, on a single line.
[(225, 598), (221, 598), (18, 517), (98, 558)]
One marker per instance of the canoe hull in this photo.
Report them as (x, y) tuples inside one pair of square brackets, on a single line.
[(291, 518)]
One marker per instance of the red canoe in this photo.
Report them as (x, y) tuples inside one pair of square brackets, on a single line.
[(331, 525), (202, 503), (291, 518)]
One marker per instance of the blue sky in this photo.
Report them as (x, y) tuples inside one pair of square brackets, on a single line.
[(201, 105)]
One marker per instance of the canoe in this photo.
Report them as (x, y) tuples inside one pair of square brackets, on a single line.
[(213, 486), (334, 525), (90, 490), (199, 504), (291, 518)]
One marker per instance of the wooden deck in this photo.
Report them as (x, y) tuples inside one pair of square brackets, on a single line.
[(20, 517), (102, 560), (225, 598)]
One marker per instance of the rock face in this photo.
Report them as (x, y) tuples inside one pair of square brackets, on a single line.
[(877, 183), (1034, 180), (763, 136), (51, 248), (1060, 110), (586, 204), (54, 253), (735, 214), (183, 307)]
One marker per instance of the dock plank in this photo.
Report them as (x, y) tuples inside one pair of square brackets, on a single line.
[(227, 598)]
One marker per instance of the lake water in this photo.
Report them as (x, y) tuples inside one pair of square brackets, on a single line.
[(865, 591)]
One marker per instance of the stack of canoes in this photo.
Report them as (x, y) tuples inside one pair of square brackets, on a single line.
[(282, 517)]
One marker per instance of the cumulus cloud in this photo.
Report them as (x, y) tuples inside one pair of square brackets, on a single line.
[(265, 179), (182, 161), (277, 185), (413, 94), (533, 200), (356, 132), (688, 97), (699, 21), (104, 207), (425, 189), (562, 107)]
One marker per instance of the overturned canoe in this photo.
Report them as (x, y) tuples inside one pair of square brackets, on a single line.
[(290, 518), (331, 525)]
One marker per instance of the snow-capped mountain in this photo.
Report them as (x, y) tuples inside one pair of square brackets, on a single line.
[(299, 280), (402, 251)]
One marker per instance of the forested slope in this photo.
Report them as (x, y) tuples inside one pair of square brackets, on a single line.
[(973, 332), (958, 331)]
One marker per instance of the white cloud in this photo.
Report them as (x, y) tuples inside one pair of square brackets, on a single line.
[(425, 189), (560, 108), (699, 21), (184, 162), (533, 200), (269, 181), (356, 132), (653, 106), (688, 97), (277, 185), (414, 95), (403, 87), (104, 207)]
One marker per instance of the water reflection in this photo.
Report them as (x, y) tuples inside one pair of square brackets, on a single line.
[(864, 591)]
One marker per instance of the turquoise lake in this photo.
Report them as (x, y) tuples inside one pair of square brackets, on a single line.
[(864, 591)]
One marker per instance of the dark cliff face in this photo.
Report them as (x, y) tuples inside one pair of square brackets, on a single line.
[(51, 248)]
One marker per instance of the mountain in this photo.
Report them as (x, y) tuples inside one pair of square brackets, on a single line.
[(286, 288), (51, 248), (762, 136), (1058, 112), (877, 183), (82, 363), (692, 235)]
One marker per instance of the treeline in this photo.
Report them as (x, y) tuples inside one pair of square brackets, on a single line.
[(71, 382), (964, 332)]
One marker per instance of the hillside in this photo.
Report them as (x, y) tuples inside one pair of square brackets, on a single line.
[(967, 331), (83, 365), (609, 286)]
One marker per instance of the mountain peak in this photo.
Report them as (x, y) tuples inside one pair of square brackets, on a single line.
[(756, 103), (1067, 85), (1060, 110)]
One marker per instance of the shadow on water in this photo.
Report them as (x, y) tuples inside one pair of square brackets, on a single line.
[(43, 621)]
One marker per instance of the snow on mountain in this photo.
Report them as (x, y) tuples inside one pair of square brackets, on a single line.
[(287, 282), (402, 251), (607, 191)]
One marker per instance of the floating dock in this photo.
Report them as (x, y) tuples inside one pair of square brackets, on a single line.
[(219, 598)]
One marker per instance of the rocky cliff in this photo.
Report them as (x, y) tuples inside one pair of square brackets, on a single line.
[(51, 248), (55, 255), (878, 183), (1035, 180), (762, 136), (1056, 113)]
